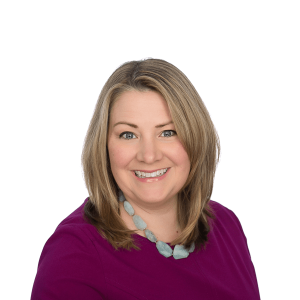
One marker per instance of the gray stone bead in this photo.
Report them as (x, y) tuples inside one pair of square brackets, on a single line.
[(180, 252), (164, 249), (192, 248), (121, 196), (151, 237), (128, 208), (139, 223)]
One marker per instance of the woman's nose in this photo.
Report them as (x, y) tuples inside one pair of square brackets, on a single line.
[(149, 151)]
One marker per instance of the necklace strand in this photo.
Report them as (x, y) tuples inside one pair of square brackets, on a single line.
[(163, 248)]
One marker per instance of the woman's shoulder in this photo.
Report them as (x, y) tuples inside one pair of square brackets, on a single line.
[(218, 207), (75, 218), (72, 233), (77, 222), (222, 212), (73, 237), (68, 258), (227, 226)]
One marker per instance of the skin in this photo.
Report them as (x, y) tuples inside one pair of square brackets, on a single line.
[(147, 148)]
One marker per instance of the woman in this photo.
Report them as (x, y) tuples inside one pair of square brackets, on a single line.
[(148, 229)]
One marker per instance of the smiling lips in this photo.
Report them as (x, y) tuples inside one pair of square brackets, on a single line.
[(153, 174)]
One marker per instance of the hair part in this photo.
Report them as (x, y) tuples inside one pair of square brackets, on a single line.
[(196, 132)]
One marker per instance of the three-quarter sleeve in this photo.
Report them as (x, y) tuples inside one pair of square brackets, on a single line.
[(69, 267)]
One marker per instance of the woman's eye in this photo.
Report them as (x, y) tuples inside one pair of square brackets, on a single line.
[(130, 134), (124, 133), (169, 135)]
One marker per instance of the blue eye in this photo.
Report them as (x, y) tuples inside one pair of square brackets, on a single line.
[(130, 133), (170, 131), (123, 133)]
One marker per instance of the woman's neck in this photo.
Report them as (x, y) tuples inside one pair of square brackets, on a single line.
[(162, 222)]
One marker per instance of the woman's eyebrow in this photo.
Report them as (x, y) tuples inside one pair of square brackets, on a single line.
[(135, 126)]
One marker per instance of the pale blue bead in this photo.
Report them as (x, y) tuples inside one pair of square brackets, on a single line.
[(164, 249), (192, 248), (151, 237), (180, 252), (139, 223), (128, 208)]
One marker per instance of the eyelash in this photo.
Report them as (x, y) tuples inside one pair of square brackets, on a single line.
[(120, 136)]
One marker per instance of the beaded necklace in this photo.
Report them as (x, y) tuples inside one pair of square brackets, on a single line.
[(163, 248)]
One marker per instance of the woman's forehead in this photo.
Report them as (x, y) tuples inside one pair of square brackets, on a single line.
[(140, 105)]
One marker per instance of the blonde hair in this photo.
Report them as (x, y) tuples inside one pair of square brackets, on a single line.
[(196, 132)]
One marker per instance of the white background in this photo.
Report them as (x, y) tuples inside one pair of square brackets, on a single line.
[(242, 57)]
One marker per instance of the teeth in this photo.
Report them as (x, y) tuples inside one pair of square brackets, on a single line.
[(154, 174)]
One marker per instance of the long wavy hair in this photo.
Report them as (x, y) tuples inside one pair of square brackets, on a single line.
[(196, 132)]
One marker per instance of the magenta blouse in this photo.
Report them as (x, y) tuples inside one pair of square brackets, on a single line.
[(78, 264)]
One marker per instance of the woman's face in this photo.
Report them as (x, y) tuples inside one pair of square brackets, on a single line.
[(145, 147)]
